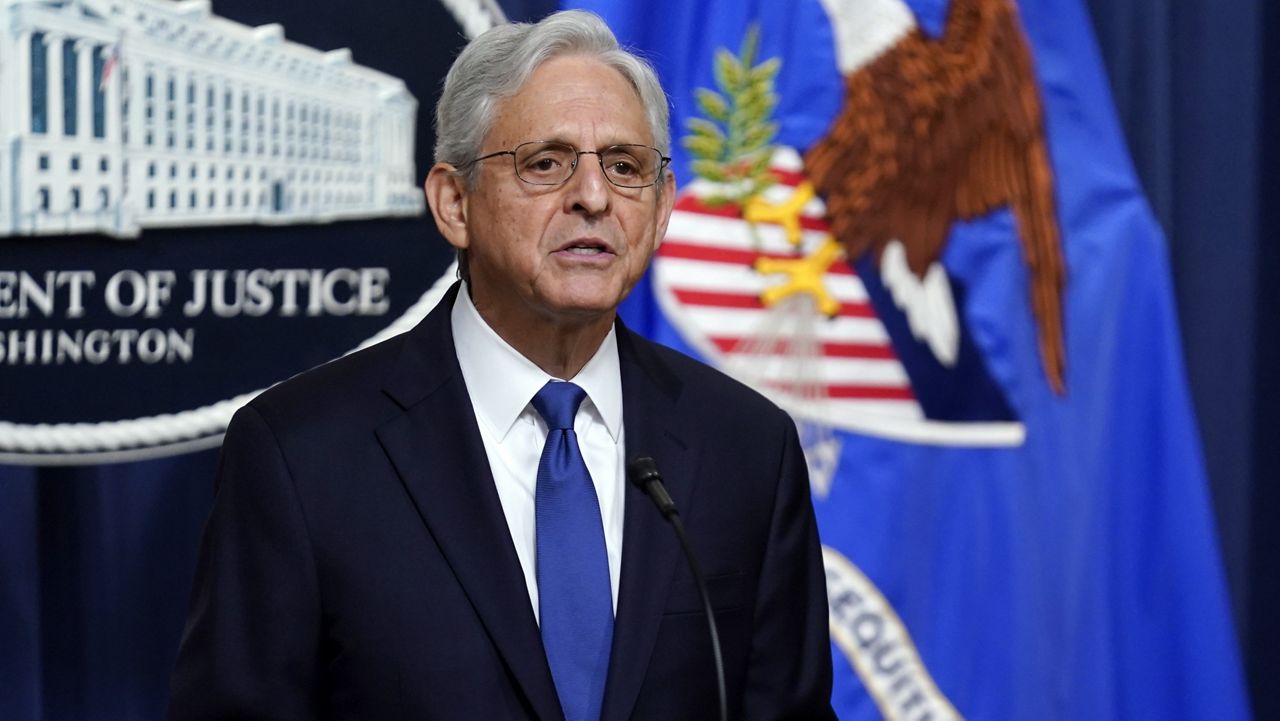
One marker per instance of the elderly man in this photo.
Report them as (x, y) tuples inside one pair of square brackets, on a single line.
[(440, 527)]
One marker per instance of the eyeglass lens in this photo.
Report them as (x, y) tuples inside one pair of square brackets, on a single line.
[(627, 166)]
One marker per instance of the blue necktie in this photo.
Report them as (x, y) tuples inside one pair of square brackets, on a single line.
[(574, 596)]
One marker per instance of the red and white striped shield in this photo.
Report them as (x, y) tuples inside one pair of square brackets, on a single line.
[(802, 331)]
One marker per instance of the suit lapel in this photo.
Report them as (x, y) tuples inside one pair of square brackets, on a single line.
[(436, 448), (650, 550)]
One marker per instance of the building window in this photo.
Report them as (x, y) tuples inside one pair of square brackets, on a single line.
[(75, 162), (44, 198), (99, 92), (193, 199), (104, 198), (69, 86), (103, 164), (193, 171), (173, 170), (173, 199), (213, 198), (151, 170), (39, 84), (42, 162), (231, 199), (151, 199), (75, 198)]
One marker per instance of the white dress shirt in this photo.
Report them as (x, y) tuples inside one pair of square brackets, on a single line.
[(501, 383)]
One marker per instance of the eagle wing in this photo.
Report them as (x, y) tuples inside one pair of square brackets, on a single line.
[(937, 129)]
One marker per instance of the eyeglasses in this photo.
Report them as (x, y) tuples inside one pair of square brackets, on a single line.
[(544, 162)]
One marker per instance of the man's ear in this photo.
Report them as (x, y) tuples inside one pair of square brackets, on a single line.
[(447, 196), (666, 201)]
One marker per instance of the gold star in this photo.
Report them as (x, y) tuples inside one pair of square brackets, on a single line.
[(786, 213), (804, 275)]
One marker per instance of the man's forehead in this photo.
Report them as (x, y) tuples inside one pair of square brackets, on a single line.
[(569, 96)]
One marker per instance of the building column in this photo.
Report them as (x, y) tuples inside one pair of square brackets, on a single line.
[(113, 93), (134, 194), (182, 80), (53, 79), (22, 199), (20, 84), (133, 190), (137, 101), (85, 88), (222, 119), (198, 128)]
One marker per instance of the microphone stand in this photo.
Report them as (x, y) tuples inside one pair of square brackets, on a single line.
[(643, 472)]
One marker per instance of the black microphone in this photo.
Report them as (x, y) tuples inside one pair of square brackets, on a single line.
[(643, 471)]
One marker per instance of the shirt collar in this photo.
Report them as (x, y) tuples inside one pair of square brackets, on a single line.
[(484, 356)]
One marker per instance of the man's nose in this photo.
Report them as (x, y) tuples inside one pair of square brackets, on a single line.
[(588, 190)]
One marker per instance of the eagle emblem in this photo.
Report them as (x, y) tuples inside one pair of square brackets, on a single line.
[(815, 274)]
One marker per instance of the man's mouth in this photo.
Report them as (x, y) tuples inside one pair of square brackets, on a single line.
[(586, 247)]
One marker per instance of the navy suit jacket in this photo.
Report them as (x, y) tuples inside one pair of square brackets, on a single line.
[(357, 563)]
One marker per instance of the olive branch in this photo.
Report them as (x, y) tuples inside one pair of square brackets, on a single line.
[(733, 143)]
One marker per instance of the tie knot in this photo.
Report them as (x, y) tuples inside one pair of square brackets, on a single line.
[(558, 403)]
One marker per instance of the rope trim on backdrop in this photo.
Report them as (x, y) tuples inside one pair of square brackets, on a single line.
[(136, 439)]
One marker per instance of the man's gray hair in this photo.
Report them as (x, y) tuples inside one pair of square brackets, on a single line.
[(497, 63)]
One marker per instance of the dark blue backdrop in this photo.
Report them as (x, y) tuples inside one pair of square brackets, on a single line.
[(94, 631), (1193, 90)]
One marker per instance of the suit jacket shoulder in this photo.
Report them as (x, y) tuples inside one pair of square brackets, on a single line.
[(711, 395), (366, 388)]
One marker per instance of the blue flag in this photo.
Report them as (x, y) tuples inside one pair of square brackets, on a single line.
[(915, 226)]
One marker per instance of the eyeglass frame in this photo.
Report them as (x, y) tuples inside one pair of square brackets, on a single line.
[(663, 162)]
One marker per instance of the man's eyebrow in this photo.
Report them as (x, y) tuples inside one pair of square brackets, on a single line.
[(560, 138)]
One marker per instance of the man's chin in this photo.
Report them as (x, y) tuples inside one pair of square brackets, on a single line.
[(585, 296), (584, 308)]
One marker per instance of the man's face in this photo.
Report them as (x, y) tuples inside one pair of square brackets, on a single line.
[(567, 253)]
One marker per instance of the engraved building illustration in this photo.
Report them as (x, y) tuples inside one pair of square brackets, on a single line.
[(121, 115)]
